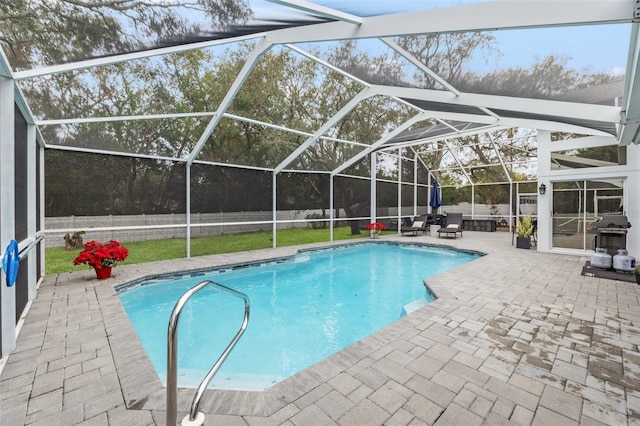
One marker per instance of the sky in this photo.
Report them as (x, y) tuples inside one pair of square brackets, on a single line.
[(364, 8), (600, 48)]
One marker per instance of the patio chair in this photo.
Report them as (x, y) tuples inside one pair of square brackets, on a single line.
[(406, 222), (419, 225), (453, 225)]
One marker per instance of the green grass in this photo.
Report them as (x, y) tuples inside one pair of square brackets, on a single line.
[(59, 260)]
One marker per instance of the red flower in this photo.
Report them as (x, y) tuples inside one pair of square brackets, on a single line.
[(376, 227), (97, 255)]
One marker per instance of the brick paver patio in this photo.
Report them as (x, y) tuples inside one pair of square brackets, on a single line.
[(517, 337)]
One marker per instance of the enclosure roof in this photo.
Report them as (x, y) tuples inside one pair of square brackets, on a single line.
[(434, 131), (580, 58)]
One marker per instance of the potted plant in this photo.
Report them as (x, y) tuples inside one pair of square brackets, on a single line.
[(102, 257), (525, 229), (375, 228)]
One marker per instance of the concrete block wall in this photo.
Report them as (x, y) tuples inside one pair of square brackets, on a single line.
[(86, 223)]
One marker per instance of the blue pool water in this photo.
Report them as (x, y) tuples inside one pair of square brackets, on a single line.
[(302, 310)]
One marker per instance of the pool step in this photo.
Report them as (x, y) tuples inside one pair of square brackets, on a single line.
[(414, 306)]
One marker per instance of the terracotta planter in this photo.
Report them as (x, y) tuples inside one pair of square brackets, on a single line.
[(103, 273)]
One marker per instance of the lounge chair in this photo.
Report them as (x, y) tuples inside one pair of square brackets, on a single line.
[(419, 225), (453, 225)]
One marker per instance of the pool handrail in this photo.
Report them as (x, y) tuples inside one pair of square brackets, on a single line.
[(172, 355)]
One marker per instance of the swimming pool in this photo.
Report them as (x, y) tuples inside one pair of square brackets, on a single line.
[(303, 309)]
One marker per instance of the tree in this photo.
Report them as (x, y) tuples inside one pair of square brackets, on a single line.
[(547, 78), (365, 124), (284, 88), (33, 33), (297, 93), (113, 92), (479, 156), (50, 32), (446, 54)]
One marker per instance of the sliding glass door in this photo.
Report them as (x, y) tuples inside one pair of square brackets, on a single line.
[(577, 204)]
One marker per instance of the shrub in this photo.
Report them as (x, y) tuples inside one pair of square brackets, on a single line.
[(525, 227)]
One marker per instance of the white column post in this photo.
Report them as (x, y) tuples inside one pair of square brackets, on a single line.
[(415, 184), (511, 208), (545, 214), (274, 210), (632, 200), (7, 212), (374, 202), (40, 184), (429, 191), (473, 201), (31, 207), (188, 206), (331, 208), (399, 183)]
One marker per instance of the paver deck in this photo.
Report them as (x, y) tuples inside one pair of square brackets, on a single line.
[(517, 337)]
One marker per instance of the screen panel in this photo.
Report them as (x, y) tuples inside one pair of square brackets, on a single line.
[(21, 170)]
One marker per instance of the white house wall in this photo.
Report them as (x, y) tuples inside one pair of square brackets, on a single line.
[(630, 173)]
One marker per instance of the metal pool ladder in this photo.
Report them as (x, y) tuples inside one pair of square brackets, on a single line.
[(194, 417)]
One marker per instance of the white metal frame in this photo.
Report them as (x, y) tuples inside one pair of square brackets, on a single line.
[(483, 16)]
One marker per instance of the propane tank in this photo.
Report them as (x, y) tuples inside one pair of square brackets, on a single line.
[(622, 262), (601, 259)]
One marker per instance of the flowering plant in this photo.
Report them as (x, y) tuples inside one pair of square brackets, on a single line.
[(376, 227), (97, 255)]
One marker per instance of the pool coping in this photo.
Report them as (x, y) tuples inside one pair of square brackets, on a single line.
[(142, 389), (517, 336), (280, 259)]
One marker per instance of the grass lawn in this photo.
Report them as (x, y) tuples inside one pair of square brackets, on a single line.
[(59, 260)]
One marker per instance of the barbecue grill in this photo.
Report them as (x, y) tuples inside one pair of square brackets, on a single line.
[(611, 233)]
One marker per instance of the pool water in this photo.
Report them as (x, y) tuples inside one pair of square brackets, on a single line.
[(302, 310)]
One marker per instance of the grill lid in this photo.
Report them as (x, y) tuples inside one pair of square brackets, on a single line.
[(610, 222)]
